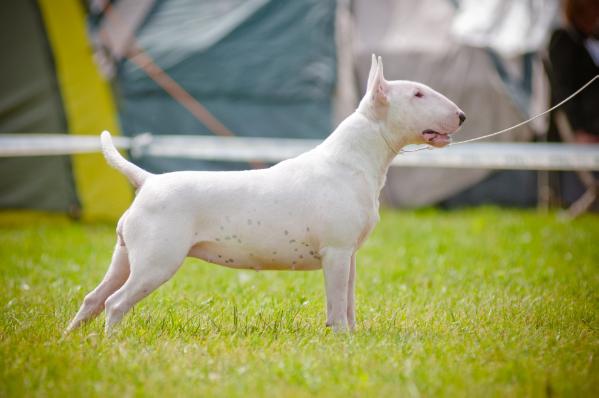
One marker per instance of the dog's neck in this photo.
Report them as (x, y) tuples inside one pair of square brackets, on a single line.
[(365, 145)]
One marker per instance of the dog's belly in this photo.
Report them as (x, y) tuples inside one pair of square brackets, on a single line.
[(298, 257)]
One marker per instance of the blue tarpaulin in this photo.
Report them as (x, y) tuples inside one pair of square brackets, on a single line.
[(266, 71)]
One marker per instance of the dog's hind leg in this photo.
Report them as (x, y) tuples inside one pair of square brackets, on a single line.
[(150, 267), (117, 274)]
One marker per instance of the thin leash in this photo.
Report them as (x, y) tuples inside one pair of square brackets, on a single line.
[(574, 94)]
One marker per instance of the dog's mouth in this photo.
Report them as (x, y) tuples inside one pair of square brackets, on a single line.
[(436, 138)]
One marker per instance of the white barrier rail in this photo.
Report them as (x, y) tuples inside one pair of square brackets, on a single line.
[(516, 156), (53, 144)]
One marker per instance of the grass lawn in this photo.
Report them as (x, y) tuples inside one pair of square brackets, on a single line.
[(477, 303)]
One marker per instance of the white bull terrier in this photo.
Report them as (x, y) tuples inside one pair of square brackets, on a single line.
[(306, 213)]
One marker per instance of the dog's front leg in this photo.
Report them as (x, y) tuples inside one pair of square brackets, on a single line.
[(336, 264), (351, 300)]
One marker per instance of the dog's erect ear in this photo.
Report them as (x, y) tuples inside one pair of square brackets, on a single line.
[(378, 87), (372, 72)]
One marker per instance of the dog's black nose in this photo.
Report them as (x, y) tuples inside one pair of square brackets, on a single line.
[(462, 117)]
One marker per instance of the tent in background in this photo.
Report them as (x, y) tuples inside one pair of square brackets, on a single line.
[(483, 60), (51, 85), (262, 68), (266, 68), (31, 102), (267, 71)]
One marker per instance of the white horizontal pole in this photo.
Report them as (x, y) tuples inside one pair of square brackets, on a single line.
[(515, 156), (53, 144), (507, 156)]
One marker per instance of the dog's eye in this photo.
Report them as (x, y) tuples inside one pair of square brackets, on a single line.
[(418, 94)]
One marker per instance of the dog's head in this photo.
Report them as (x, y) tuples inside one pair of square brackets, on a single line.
[(413, 112)]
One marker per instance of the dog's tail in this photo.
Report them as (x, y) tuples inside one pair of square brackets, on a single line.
[(135, 174)]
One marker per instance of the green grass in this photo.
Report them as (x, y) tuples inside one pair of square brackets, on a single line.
[(475, 303)]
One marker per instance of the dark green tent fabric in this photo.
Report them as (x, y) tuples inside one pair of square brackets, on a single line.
[(273, 75), (31, 103)]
